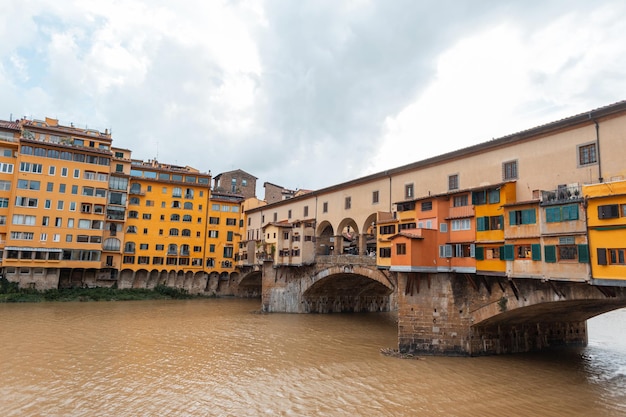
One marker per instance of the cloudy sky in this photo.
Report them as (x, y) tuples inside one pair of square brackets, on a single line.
[(308, 94)]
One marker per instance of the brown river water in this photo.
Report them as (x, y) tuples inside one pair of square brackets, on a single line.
[(217, 357)]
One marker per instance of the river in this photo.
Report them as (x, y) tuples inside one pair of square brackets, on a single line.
[(217, 357)]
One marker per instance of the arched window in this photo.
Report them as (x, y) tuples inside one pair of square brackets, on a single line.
[(186, 232), (133, 214), (173, 232), (135, 187), (129, 247), (187, 218), (188, 206), (172, 249), (111, 244), (175, 218)]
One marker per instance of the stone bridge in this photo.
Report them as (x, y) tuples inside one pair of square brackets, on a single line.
[(439, 313), (468, 314), (345, 283)]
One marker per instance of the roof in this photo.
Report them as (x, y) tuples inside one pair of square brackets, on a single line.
[(410, 233), (9, 125), (232, 172)]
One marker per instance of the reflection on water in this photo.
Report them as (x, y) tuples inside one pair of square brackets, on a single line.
[(217, 357)]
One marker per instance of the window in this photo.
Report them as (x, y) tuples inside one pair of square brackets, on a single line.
[(233, 222), (493, 195), (387, 230), (587, 154), (445, 251), (487, 253), (519, 217), (408, 191), (453, 182), (25, 202), (384, 252), (213, 233), (509, 170), (489, 223), (401, 249), (229, 236), (375, 197), (427, 205), (77, 173), (616, 256), (348, 203), (214, 220), (460, 224), (325, 207), (610, 211), (561, 214), (306, 211), (460, 200)]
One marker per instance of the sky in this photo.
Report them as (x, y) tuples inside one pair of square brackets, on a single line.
[(308, 94)]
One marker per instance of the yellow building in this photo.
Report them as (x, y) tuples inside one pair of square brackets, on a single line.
[(225, 221), (165, 228), (606, 221), (488, 205)]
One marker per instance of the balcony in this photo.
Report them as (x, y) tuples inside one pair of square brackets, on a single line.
[(563, 194)]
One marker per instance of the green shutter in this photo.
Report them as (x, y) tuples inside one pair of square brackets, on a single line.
[(480, 224), (512, 218), (553, 214), (536, 251), (479, 253), (528, 216), (570, 212), (550, 253), (474, 198), (509, 252), (583, 253)]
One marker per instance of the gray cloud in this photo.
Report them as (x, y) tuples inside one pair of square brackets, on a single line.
[(312, 112)]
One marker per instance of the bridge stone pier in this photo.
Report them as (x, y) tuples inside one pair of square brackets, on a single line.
[(472, 315), (347, 283)]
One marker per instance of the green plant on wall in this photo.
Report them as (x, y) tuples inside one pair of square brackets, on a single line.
[(502, 303)]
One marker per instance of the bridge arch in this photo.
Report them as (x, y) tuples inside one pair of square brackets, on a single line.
[(576, 303), (325, 238), (249, 285), (346, 288)]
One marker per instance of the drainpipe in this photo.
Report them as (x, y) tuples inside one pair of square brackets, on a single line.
[(600, 179)]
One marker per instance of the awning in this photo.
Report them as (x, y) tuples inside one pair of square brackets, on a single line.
[(33, 249)]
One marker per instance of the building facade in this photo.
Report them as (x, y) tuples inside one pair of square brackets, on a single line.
[(512, 207), (76, 211)]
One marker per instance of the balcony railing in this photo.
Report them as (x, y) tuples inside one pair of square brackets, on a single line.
[(562, 194)]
